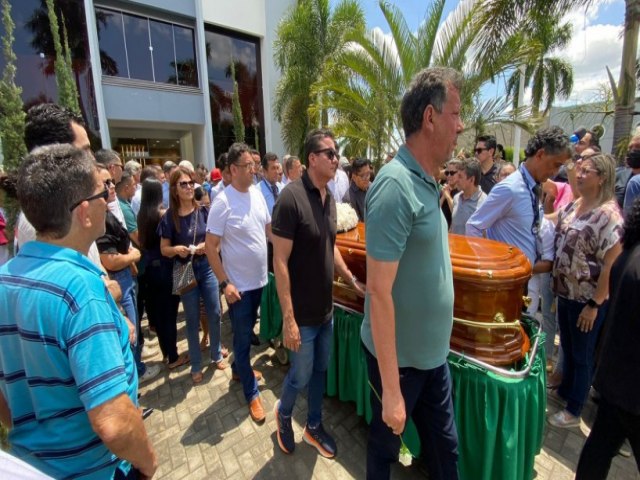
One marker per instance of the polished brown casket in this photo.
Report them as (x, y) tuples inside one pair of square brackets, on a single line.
[(489, 279)]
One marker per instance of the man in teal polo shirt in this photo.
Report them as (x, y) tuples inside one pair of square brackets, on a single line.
[(409, 303)]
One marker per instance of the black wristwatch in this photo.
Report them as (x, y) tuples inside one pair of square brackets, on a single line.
[(223, 284), (593, 304)]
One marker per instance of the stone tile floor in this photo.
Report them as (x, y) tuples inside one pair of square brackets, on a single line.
[(204, 431)]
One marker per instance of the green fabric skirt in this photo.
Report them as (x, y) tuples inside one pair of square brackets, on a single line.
[(500, 421)]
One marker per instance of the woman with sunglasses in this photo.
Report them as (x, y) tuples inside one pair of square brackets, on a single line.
[(119, 258), (182, 233), (587, 242)]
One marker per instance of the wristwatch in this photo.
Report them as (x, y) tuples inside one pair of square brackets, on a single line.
[(223, 284), (593, 304)]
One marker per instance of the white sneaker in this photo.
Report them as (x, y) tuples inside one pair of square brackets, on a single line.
[(151, 372), (563, 419), (148, 352)]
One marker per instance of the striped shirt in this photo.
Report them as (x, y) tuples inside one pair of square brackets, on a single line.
[(64, 350)]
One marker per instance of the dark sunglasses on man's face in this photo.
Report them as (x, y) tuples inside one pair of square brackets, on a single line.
[(109, 183), (450, 173), (480, 150), (190, 183), (329, 152), (103, 195)]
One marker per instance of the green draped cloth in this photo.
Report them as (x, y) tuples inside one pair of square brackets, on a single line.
[(500, 421)]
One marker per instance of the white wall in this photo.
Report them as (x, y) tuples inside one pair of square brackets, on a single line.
[(242, 15)]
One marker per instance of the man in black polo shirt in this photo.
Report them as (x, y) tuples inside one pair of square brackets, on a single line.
[(485, 152), (304, 257)]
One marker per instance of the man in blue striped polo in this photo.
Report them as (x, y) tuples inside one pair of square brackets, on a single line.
[(68, 382)]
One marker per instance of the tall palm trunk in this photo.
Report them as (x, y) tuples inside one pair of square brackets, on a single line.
[(625, 106)]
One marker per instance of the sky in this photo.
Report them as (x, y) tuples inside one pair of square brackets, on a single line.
[(596, 42)]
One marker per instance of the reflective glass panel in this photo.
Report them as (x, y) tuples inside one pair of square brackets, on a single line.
[(163, 58), (186, 56), (113, 57), (136, 30)]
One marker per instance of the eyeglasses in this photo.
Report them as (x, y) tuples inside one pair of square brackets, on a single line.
[(329, 152), (103, 195), (189, 184), (450, 173), (244, 165), (109, 183), (585, 171), (480, 150)]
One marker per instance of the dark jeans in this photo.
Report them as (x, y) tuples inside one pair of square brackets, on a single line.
[(243, 315), (308, 367), (428, 401), (162, 306), (578, 348), (611, 427)]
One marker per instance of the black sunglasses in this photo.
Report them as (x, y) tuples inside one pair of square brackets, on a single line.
[(103, 195), (190, 183), (330, 152), (449, 173), (109, 183), (480, 150)]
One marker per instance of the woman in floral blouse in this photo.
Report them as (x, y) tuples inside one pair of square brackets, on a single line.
[(587, 243)]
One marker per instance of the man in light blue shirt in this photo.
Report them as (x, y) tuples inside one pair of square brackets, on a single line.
[(168, 168), (269, 185), (69, 384), (511, 213)]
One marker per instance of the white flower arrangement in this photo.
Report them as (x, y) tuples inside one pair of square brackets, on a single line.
[(347, 217)]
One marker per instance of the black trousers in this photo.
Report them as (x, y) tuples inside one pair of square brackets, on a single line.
[(611, 427), (428, 401), (162, 306)]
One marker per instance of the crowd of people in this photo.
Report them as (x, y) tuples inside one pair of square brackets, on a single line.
[(101, 242)]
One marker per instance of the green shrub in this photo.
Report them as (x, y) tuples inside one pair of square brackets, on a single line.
[(509, 152)]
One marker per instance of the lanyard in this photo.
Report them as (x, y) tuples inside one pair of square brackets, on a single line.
[(535, 200)]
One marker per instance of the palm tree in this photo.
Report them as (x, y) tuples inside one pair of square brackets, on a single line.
[(548, 77), (307, 38), (503, 17), (363, 85)]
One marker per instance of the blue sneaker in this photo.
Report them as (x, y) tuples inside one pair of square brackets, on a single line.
[(284, 431), (321, 440)]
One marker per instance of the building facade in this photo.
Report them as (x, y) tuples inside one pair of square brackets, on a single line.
[(154, 76)]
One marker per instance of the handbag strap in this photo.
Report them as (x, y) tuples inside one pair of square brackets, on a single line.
[(195, 230)]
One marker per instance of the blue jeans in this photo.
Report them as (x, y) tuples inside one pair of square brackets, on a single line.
[(428, 401), (126, 282), (578, 348), (308, 367), (243, 315), (207, 289)]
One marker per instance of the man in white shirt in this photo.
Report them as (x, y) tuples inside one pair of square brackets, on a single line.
[(239, 224), (339, 185)]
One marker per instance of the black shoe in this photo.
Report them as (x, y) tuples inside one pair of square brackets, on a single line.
[(321, 440), (284, 431), (255, 340)]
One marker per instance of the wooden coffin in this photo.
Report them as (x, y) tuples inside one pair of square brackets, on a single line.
[(489, 279)]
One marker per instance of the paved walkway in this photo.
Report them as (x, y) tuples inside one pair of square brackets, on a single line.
[(205, 431)]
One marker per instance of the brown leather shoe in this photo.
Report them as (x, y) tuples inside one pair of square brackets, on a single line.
[(256, 374), (256, 410)]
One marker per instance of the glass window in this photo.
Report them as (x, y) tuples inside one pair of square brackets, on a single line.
[(185, 56), (35, 55), (136, 34), (164, 64), (143, 48), (224, 47), (113, 56)]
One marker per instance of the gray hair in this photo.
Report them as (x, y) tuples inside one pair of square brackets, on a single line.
[(235, 152), (107, 157), (187, 164), (428, 87), (472, 169), (51, 180), (133, 167), (289, 160)]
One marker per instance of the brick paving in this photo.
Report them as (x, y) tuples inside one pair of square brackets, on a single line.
[(205, 431)]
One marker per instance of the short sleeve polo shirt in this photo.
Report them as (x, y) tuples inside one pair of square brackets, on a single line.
[(404, 224), (299, 215)]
